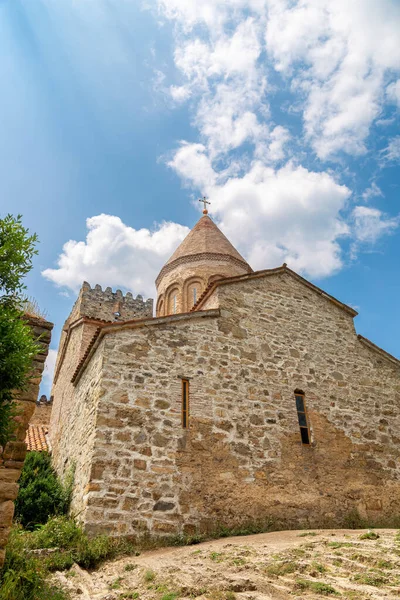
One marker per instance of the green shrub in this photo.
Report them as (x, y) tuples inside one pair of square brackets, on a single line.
[(41, 494), (353, 520), (24, 574), (369, 535)]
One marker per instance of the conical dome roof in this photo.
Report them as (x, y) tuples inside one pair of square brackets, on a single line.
[(204, 256), (206, 237)]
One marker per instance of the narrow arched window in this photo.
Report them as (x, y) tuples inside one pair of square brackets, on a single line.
[(194, 296), (185, 403), (302, 417), (174, 304)]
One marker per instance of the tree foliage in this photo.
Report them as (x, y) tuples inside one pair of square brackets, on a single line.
[(17, 347), (41, 494), (17, 249)]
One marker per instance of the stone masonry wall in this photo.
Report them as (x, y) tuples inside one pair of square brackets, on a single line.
[(242, 458), (12, 456), (71, 423)]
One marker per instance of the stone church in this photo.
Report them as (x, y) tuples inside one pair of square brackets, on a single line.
[(248, 397)]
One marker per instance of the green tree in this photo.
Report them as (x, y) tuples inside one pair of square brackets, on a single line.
[(17, 347), (41, 494)]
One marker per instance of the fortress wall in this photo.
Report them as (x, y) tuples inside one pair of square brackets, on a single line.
[(98, 304)]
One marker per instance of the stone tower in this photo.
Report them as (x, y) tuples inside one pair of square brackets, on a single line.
[(204, 256)]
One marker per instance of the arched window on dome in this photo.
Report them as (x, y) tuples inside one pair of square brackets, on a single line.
[(194, 287), (173, 301)]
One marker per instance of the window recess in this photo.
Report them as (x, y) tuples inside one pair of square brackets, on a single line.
[(185, 403), (303, 418)]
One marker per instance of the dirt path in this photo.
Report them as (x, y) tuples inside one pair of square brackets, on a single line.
[(279, 565)]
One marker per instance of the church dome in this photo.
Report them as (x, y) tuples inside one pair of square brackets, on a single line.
[(204, 256)]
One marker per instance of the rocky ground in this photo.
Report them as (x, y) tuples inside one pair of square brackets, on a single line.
[(289, 564)]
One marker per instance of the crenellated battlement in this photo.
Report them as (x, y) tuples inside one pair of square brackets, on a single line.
[(107, 305)]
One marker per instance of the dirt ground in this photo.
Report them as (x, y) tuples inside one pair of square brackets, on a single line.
[(285, 564)]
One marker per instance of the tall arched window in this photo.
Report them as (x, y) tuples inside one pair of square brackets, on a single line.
[(193, 289), (302, 417), (173, 305)]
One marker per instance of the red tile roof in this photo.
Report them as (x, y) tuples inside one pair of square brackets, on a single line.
[(36, 438)]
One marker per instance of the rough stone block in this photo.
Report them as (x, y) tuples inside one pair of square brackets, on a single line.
[(6, 513), (8, 491)]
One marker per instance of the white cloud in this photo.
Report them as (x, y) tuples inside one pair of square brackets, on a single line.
[(337, 57), (278, 139), (179, 93), (273, 216), (370, 224), (193, 165), (337, 54), (393, 92), (116, 255), (392, 152), (340, 60), (373, 191)]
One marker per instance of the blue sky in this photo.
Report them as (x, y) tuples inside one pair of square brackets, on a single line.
[(118, 114)]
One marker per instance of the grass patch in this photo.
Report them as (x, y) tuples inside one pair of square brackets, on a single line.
[(316, 586), (375, 579), (384, 564), (281, 568), (149, 576), (337, 545), (130, 567), (116, 584), (238, 561), (217, 556), (370, 535), (307, 533), (170, 596), (318, 567), (130, 595)]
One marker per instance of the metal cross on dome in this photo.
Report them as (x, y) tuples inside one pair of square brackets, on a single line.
[(205, 202)]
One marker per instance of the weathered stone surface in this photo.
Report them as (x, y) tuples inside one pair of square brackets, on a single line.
[(8, 491), (14, 451), (163, 506), (6, 512), (242, 458)]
